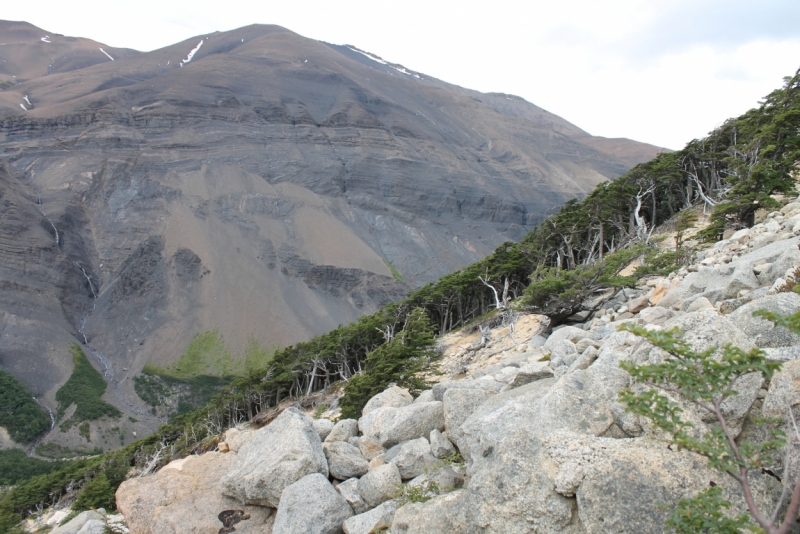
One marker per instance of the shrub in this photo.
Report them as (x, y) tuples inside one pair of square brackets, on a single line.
[(19, 413), (84, 388)]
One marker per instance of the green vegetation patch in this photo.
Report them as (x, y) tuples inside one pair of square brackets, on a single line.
[(15, 466), (57, 451), (395, 272), (205, 355), (20, 414), (84, 388), (175, 396)]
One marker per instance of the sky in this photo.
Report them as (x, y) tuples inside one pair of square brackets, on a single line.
[(659, 71)]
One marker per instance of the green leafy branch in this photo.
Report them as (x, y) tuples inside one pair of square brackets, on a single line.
[(706, 379)]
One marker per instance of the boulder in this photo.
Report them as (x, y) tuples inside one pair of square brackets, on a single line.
[(638, 304), (586, 359), (441, 446), (343, 430), (487, 384), (425, 396), (344, 460), (412, 458), (562, 352), (185, 500), (458, 406), (699, 304), (278, 455), (784, 390), (621, 485), (656, 315), (349, 490), (376, 520), (94, 526), (452, 512), (79, 521), (565, 333), (530, 373), (389, 426), (765, 333), (369, 448), (311, 506), (394, 396), (380, 485), (323, 427), (237, 437)]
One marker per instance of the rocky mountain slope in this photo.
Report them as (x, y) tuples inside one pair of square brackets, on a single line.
[(252, 182), (523, 433)]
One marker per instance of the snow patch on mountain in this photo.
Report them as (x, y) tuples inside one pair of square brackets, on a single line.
[(192, 53), (106, 53)]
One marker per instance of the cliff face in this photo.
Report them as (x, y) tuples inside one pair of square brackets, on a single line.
[(255, 182)]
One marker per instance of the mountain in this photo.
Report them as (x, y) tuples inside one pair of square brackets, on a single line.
[(253, 182)]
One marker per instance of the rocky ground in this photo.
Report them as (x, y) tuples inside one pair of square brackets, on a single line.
[(522, 433)]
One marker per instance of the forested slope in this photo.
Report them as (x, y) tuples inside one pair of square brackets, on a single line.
[(732, 172)]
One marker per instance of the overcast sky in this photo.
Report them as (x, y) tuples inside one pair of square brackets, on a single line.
[(659, 71)]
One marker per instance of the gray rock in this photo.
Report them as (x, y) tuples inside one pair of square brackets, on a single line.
[(453, 512), (380, 485), (78, 522), (344, 460), (412, 458), (584, 344), (458, 406), (237, 437), (707, 329), (440, 479), (349, 490), (537, 341), (789, 259), (655, 315), (784, 390), (565, 333), (638, 304), (699, 304), (586, 359), (530, 373), (93, 526), (490, 385), (762, 331), (278, 455), (425, 396), (393, 396), (389, 426), (369, 448), (393, 451), (783, 354), (355, 441), (441, 446), (311, 506), (562, 352), (343, 430), (323, 427), (378, 518)]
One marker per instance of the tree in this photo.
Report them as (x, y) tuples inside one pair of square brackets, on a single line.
[(402, 361), (705, 380)]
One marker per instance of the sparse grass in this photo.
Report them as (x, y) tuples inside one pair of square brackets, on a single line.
[(84, 388), (205, 355), (57, 451), (395, 273)]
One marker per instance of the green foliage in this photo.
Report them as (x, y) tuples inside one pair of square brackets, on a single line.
[(256, 357), (84, 388), (705, 379), (83, 430), (684, 221), (401, 361), (705, 514), (96, 493), (19, 413), (188, 394), (15, 466), (558, 292), (51, 449), (418, 492), (205, 355), (395, 273)]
